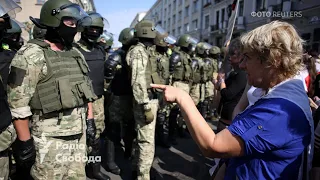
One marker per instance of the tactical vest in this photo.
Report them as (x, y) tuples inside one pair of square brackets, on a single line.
[(5, 61), (95, 59), (183, 72), (66, 84), (207, 70), (196, 70), (5, 113), (159, 66)]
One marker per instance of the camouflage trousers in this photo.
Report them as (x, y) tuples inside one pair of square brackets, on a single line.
[(197, 93), (7, 137), (185, 87), (144, 145), (209, 89), (60, 157)]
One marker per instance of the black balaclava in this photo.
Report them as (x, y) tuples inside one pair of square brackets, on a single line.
[(62, 34), (91, 37)]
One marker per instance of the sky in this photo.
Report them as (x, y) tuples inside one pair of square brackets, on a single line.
[(120, 13)]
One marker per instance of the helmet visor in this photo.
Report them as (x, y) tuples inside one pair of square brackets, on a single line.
[(9, 7), (170, 39), (16, 27), (193, 40), (75, 12), (105, 37), (207, 46)]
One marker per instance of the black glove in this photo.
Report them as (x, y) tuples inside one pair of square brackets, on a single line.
[(91, 132), (24, 152)]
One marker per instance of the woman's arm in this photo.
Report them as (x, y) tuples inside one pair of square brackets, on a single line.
[(223, 144)]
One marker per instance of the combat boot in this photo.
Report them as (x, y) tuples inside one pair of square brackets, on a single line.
[(161, 137), (111, 166), (93, 170)]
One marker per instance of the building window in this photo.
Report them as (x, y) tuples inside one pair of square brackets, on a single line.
[(164, 24), (186, 13), (241, 8), (206, 21), (169, 9), (259, 5), (169, 23), (195, 24), (173, 32), (174, 4), (173, 19), (165, 1), (179, 30), (217, 1), (316, 34), (179, 15), (165, 12), (219, 41), (207, 2), (40, 1), (223, 14), (180, 2), (195, 6), (217, 17), (186, 27)]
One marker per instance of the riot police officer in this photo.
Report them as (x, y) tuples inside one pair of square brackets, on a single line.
[(214, 55), (181, 78), (145, 103), (106, 41), (160, 63), (120, 122), (49, 84), (7, 132), (95, 58)]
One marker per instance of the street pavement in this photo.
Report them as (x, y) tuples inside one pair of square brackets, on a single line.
[(183, 161)]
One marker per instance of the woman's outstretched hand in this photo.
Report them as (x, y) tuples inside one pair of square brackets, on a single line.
[(170, 94)]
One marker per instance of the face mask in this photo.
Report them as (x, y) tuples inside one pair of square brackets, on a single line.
[(67, 34), (92, 36)]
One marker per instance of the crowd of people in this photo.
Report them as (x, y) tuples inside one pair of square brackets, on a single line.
[(66, 105)]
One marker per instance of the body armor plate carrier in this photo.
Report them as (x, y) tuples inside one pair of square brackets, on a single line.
[(66, 84)]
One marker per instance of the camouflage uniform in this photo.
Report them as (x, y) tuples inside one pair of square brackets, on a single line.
[(7, 137), (197, 88), (48, 130), (138, 59)]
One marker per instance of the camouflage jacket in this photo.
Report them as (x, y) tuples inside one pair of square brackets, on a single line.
[(31, 59)]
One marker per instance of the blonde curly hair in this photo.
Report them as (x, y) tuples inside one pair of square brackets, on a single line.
[(278, 44)]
